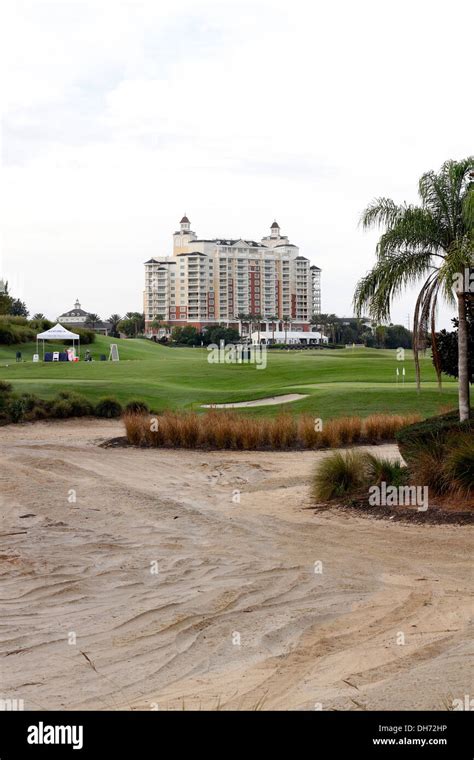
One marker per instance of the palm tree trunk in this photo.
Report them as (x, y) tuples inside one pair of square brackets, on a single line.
[(434, 351), (463, 362)]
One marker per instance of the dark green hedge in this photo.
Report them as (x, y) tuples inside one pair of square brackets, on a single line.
[(432, 431)]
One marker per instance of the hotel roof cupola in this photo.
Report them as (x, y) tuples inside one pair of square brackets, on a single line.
[(275, 230), (184, 236), (185, 224)]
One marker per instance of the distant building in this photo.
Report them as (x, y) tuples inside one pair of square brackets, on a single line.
[(77, 317), (208, 282), (291, 337)]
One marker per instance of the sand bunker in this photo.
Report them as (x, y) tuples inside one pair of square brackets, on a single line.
[(269, 401), (136, 578)]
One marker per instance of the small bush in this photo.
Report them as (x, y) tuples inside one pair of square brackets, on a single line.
[(5, 387), (16, 409), (108, 407), (61, 408), (64, 394), (339, 474), (382, 470), (137, 407), (459, 465), (38, 412), (81, 407), (433, 431)]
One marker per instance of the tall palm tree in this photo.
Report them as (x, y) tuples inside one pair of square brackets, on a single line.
[(92, 319), (157, 321), (273, 320), (114, 320), (258, 322), (431, 244), (243, 319)]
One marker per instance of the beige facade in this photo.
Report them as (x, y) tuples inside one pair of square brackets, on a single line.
[(214, 281)]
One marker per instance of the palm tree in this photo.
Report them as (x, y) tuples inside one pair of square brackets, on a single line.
[(135, 322), (114, 320), (273, 320), (258, 322), (286, 323), (38, 316), (431, 244), (243, 319), (92, 319), (157, 320)]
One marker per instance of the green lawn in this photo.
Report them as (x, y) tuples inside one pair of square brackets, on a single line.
[(337, 382)]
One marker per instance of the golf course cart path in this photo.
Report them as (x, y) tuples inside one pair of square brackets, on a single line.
[(145, 578), (269, 401)]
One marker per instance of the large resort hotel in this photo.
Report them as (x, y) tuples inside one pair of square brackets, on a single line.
[(206, 282)]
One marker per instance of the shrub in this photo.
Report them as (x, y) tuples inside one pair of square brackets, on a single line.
[(339, 474), (108, 407), (382, 470), (15, 330), (434, 431), (86, 336), (16, 409), (459, 465), (137, 407), (38, 412), (81, 407), (7, 335), (29, 401), (61, 408), (13, 320), (5, 387)]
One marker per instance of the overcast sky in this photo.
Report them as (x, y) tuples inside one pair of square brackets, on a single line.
[(119, 117)]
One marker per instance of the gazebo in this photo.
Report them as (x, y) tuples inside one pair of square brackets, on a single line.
[(58, 332)]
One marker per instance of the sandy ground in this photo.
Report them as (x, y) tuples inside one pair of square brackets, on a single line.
[(236, 616), (268, 401)]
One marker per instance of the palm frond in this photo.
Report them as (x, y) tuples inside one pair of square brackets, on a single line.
[(442, 194), (387, 279), (381, 212), (416, 230)]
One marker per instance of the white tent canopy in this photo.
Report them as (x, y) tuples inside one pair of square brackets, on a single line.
[(58, 332)]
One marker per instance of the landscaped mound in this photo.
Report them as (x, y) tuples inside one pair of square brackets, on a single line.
[(227, 430), (439, 454)]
